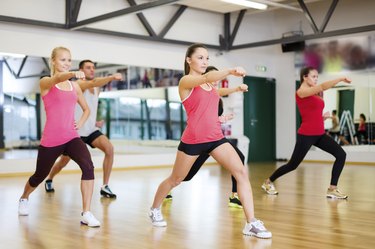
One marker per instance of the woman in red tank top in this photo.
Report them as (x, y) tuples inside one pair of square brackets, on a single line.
[(201, 101), (311, 132)]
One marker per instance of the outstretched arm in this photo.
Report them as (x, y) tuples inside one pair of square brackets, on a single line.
[(98, 82), (304, 92), (47, 82), (227, 91), (191, 81)]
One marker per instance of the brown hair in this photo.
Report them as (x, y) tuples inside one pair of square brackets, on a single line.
[(82, 63), (305, 71), (53, 57), (191, 49)]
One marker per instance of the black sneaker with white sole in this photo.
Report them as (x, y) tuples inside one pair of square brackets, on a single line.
[(106, 192), (49, 186)]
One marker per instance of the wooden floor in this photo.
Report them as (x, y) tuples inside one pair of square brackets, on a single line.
[(198, 217)]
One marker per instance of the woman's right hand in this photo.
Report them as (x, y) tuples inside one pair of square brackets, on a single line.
[(346, 80), (79, 75), (238, 71)]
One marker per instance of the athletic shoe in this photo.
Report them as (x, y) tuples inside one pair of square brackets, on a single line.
[(269, 188), (336, 194), (256, 229), (105, 191), (49, 186), (88, 219), (169, 196), (234, 201), (157, 217), (23, 207)]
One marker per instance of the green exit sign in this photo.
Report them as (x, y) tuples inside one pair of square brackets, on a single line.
[(260, 68)]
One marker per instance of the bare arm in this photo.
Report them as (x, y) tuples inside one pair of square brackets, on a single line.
[(305, 91), (98, 82), (227, 91), (191, 81), (82, 102), (47, 82)]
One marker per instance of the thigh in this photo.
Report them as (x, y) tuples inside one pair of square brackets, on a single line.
[(182, 165), (101, 142), (329, 145), (226, 156), (77, 150)]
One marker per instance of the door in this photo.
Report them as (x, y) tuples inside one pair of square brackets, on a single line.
[(260, 118)]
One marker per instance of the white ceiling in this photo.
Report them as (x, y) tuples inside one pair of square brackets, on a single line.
[(223, 7)]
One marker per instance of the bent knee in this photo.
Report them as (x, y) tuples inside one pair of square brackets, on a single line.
[(240, 174)]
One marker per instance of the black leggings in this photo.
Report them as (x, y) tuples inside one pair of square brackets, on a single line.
[(301, 148), (47, 156), (203, 158)]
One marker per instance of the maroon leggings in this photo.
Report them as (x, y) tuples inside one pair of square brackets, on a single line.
[(47, 156)]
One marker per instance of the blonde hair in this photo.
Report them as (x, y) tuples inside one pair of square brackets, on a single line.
[(53, 57)]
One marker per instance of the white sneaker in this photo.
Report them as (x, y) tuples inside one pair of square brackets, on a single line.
[(257, 229), (23, 207), (88, 219), (157, 217)]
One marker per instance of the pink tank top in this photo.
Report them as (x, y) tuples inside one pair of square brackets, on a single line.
[(311, 110), (59, 106), (203, 123)]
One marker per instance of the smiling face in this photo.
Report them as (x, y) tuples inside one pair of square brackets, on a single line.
[(61, 60), (311, 78), (197, 60)]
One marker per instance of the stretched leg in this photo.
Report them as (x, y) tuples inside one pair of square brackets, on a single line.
[(242, 157), (202, 158), (182, 165), (103, 144), (327, 144), (58, 166), (228, 158), (78, 152), (301, 148)]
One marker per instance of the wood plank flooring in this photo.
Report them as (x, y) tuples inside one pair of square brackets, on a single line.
[(198, 216)]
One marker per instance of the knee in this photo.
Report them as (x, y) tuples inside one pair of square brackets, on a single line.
[(341, 155), (109, 150), (240, 174), (175, 181)]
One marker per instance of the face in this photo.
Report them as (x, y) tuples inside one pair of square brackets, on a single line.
[(62, 61), (89, 70), (198, 61), (312, 78)]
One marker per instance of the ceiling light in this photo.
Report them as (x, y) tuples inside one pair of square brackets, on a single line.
[(246, 3)]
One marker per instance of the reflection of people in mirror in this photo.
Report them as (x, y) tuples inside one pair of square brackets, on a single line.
[(311, 132), (361, 134)]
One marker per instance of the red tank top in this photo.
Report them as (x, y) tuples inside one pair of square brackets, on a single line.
[(203, 123), (311, 110)]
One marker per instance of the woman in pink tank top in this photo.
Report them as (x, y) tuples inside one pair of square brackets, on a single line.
[(60, 135), (203, 135)]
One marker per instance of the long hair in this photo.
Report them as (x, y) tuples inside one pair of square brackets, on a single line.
[(191, 49), (53, 57)]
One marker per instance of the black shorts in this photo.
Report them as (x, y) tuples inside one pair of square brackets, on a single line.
[(197, 149), (90, 138)]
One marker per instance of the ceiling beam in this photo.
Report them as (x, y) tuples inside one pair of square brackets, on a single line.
[(122, 12), (348, 31), (143, 20), (308, 16), (328, 15), (172, 21), (236, 27)]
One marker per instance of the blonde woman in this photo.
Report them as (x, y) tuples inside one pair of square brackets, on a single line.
[(60, 135)]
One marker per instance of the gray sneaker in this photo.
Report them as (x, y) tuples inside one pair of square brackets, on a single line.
[(23, 207), (157, 217), (256, 229)]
